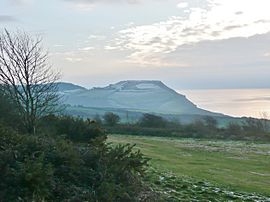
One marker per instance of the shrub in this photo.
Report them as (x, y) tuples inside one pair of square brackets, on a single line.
[(253, 125), (76, 129), (211, 122), (9, 112), (152, 121), (51, 168), (234, 130), (111, 119)]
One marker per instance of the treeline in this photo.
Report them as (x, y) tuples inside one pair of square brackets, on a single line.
[(205, 127), (49, 157)]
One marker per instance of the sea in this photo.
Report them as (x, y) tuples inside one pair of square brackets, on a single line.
[(233, 102)]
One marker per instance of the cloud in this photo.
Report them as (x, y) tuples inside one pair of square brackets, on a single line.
[(110, 48), (232, 27), (238, 13), (104, 1), (87, 48), (73, 56), (267, 54), (86, 5), (97, 37), (73, 60), (7, 18), (58, 45), (70, 56), (21, 2), (182, 5), (255, 99), (215, 20)]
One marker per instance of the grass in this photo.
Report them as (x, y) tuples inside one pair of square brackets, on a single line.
[(234, 165), (172, 188)]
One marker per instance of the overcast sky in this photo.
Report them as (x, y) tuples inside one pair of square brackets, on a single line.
[(187, 44)]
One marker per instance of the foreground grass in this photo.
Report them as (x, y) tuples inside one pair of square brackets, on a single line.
[(172, 188), (236, 166)]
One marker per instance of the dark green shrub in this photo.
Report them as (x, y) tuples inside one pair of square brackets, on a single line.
[(152, 121), (210, 122), (50, 168), (111, 119), (9, 112), (76, 129), (234, 130), (253, 125)]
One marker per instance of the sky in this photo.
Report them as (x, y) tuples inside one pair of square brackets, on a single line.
[(187, 44)]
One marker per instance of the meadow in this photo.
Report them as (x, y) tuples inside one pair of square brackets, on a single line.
[(228, 166)]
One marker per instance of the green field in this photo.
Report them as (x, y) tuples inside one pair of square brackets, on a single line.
[(234, 165)]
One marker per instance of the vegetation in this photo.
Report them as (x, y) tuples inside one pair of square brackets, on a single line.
[(67, 159), (47, 168), (205, 169), (206, 127), (46, 157), (26, 78), (8, 111), (72, 128), (152, 121), (176, 188), (111, 119)]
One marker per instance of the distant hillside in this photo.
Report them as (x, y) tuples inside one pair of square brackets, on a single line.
[(63, 86), (133, 96)]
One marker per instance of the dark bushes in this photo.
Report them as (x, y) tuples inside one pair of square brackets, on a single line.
[(49, 168), (145, 131), (111, 119), (9, 112), (152, 121), (76, 129), (205, 127)]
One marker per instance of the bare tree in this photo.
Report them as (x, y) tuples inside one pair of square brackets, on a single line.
[(265, 121), (26, 76)]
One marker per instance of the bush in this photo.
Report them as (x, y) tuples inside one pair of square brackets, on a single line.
[(9, 112), (76, 129), (111, 119), (211, 122), (234, 130), (253, 125), (152, 121), (51, 168)]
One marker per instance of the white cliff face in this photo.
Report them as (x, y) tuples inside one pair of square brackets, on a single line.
[(142, 96)]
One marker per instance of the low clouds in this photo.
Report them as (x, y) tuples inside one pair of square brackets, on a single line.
[(7, 18), (88, 5), (255, 99), (182, 5), (215, 20), (21, 2), (105, 1), (92, 2)]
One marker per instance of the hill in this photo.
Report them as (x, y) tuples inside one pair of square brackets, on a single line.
[(133, 96), (63, 86)]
